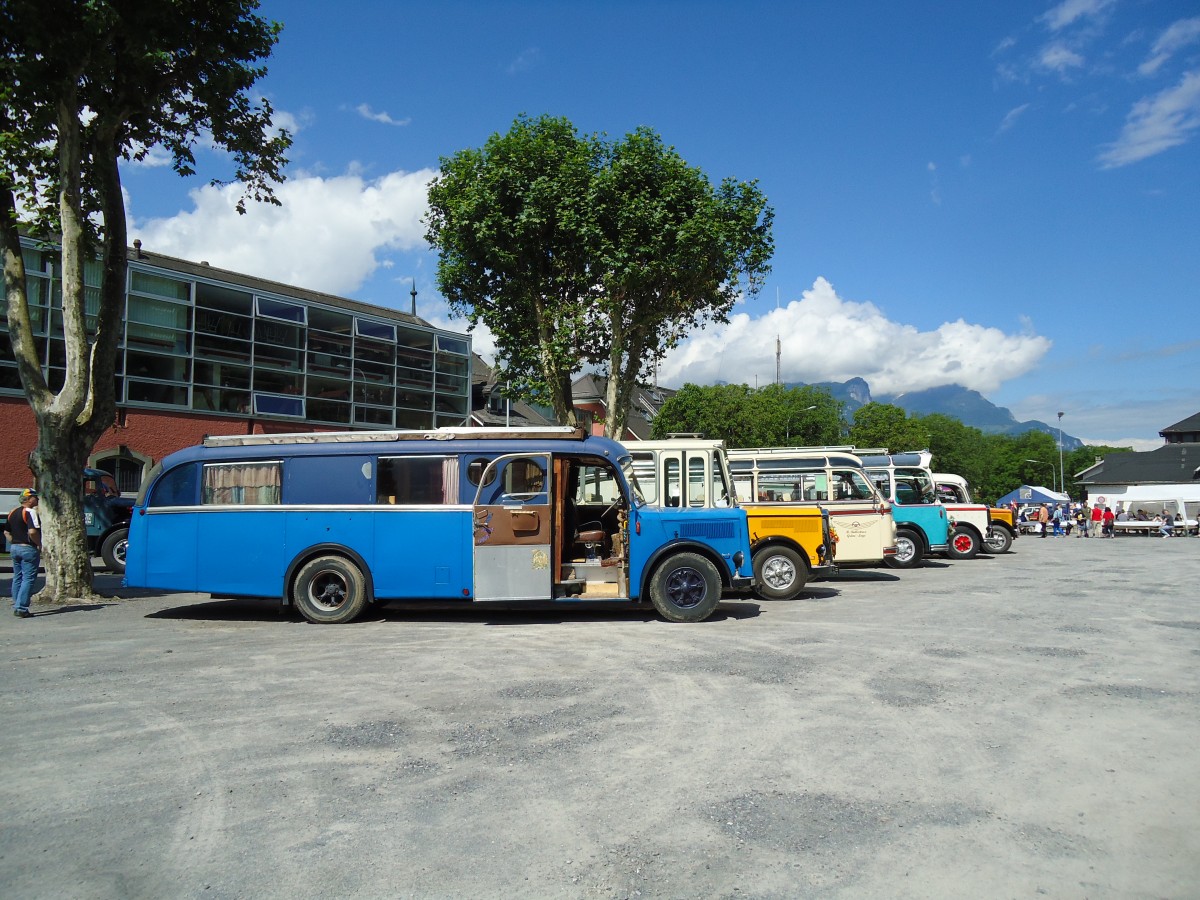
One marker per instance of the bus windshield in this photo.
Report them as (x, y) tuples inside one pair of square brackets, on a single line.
[(916, 485), (626, 464)]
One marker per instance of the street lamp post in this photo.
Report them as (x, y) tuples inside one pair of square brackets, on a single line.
[(787, 429), (1062, 474), (1042, 462)]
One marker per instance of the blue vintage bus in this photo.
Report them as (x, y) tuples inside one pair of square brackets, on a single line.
[(922, 525), (332, 522)]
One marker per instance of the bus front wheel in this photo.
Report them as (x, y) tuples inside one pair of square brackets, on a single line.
[(908, 551), (685, 588), (329, 590), (998, 539), (779, 573), (964, 543)]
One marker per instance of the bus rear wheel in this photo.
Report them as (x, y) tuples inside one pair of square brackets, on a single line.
[(908, 551), (964, 543), (329, 590), (779, 573), (685, 588)]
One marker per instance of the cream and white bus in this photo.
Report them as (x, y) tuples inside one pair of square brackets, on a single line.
[(835, 481)]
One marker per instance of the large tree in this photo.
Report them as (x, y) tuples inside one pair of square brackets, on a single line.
[(85, 85), (576, 251), (515, 233), (674, 253)]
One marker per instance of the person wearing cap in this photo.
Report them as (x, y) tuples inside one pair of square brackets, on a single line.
[(24, 532)]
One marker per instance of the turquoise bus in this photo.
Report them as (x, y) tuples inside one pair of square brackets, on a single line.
[(922, 524), (330, 523)]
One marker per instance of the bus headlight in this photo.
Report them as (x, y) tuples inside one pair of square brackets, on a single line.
[(738, 559)]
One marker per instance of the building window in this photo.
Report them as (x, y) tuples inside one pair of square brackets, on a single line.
[(277, 309), (278, 405), (379, 330)]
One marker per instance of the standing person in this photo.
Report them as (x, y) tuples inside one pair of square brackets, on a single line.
[(1057, 520), (1098, 520), (1109, 518), (1081, 521), (24, 532), (1043, 516)]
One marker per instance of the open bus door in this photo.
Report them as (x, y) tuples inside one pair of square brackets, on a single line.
[(513, 519)]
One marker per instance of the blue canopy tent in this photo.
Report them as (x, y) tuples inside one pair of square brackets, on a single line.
[(1029, 494)]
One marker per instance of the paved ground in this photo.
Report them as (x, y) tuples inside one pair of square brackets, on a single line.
[(1006, 727)]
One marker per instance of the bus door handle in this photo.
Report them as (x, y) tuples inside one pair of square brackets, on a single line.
[(524, 520)]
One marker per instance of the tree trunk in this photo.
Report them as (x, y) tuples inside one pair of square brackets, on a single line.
[(624, 366), (562, 398), (58, 464), (70, 422)]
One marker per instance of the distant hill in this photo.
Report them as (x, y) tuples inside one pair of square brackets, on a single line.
[(969, 407)]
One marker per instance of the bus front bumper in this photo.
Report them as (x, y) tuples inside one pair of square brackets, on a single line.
[(741, 584), (820, 573)]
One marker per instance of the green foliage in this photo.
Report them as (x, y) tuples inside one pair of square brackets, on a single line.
[(770, 416), (575, 250), (126, 77), (515, 231), (887, 426), (85, 84)]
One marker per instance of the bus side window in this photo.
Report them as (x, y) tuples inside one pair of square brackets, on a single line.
[(177, 487), (418, 480)]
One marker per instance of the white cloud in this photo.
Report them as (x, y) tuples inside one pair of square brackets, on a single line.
[(328, 235), (826, 338), (1157, 123), (293, 123), (1059, 58), (1175, 38), (156, 157), (367, 113), (1071, 11), (525, 61), (1010, 118)]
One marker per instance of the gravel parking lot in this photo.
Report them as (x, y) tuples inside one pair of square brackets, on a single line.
[(1006, 727)]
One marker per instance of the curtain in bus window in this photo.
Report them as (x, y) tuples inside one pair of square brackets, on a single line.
[(251, 484), (418, 480), (450, 479)]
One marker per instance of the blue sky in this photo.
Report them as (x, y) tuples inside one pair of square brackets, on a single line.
[(1004, 195)]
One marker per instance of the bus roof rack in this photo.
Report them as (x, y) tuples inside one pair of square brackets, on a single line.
[(445, 433)]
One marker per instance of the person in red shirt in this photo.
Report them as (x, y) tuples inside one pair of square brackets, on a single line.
[(1098, 520), (1109, 518)]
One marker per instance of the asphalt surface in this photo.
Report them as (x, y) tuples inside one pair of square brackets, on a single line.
[(1007, 727)]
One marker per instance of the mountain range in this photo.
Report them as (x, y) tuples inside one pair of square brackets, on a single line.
[(969, 407)]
